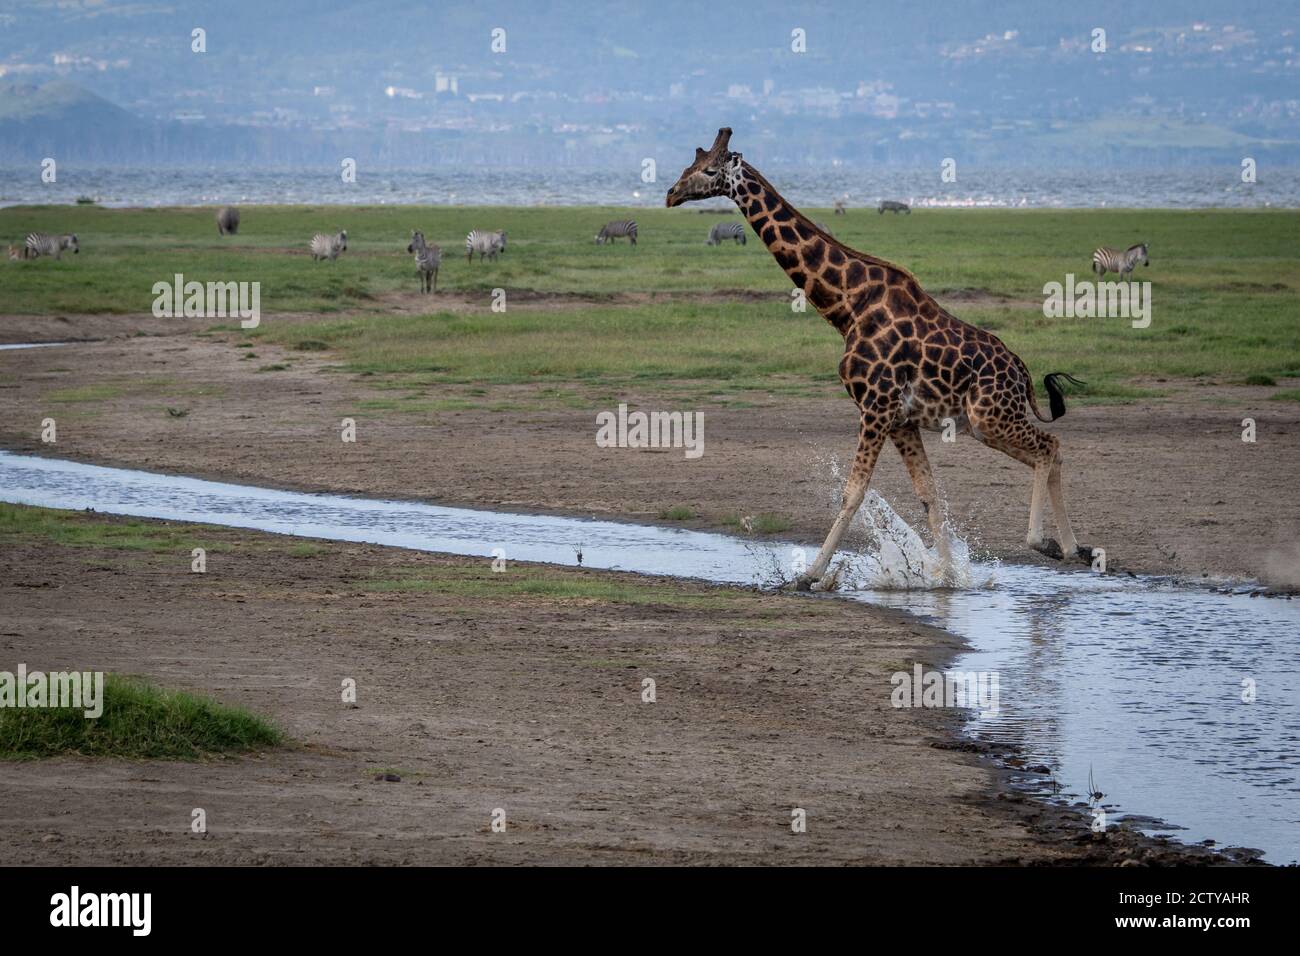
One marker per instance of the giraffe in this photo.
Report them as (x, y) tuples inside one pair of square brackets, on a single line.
[(908, 363)]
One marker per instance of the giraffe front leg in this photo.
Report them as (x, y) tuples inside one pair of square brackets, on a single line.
[(907, 439), (870, 439)]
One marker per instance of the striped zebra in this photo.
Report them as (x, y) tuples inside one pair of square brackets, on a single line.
[(328, 247), (1107, 259), (227, 221), (427, 260), (489, 244), (889, 205), (839, 209), (616, 228), (39, 244), (726, 230)]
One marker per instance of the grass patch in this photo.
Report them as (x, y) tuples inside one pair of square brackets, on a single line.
[(1289, 395), (1259, 379), (765, 523), (139, 722), (543, 584), (76, 529), (676, 513), (1223, 285)]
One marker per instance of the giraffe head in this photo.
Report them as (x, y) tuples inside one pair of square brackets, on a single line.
[(712, 174)]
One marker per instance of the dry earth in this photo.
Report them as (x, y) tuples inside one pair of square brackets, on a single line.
[(525, 702)]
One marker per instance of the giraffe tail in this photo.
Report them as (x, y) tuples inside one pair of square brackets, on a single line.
[(1056, 398)]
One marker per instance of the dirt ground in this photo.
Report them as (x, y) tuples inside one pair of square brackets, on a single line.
[(1165, 486), (528, 703)]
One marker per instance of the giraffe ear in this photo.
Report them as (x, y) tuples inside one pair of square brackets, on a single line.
[(699, 154)]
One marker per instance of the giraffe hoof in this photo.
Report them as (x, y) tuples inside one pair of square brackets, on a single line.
[(1050, 548)]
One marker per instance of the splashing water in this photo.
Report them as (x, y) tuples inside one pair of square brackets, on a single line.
[(894, 556)]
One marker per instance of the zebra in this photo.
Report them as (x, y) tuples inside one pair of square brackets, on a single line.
[(839, 209), (889, 205), (489, 244), (328, 247), (427, 260), (39, 244), (726, 230), (1107, 259), (615, 228), (227, 220)]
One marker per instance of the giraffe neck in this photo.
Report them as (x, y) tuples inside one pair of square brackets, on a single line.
[(839, 281), (815, 262)]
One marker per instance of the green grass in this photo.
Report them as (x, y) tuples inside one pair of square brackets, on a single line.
[(139, 722), (1223, 287), (1289, 395), (759, 524), (523, 582), (76, 529), (676, 513)]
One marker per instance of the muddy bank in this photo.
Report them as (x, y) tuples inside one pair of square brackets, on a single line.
[(1163, 486), (520, 691)]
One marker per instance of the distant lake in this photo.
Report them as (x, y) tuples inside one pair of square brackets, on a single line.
[(1037, 187)]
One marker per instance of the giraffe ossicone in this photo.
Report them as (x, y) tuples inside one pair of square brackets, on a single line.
[(908, 363)]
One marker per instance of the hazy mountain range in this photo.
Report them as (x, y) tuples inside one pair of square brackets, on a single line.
[(591, 84)]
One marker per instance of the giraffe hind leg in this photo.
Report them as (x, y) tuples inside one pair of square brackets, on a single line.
[(1040, 450)]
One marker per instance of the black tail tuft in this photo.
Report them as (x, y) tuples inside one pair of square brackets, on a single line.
[(1052, 383)]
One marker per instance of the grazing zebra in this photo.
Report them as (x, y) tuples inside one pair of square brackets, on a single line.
[(889, 205), (39, 244), (1107, 259), (618, 227), (227, 221), (427, 260), (839, 208), (488, 244), (726, 230), (328, 247)]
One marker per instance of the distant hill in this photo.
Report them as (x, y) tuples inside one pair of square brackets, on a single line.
[(64, 120)]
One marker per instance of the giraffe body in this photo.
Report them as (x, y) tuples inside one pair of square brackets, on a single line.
[(908, 363)]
